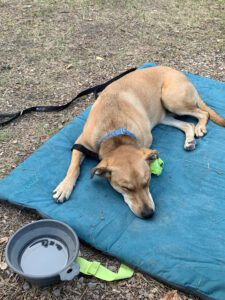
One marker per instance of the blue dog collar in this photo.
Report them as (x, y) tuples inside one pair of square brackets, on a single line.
[(120, 131)]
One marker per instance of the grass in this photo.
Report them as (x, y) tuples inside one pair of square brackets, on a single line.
[(5, 135)]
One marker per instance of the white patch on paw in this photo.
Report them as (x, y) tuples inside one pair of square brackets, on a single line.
[(63, 191), (200, 131), (189, 145)]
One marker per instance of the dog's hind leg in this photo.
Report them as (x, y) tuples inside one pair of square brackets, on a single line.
[(64, 189), (181, 98), (187, 128), (202, 116)]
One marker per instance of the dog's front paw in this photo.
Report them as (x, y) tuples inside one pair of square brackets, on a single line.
[(63, 190)]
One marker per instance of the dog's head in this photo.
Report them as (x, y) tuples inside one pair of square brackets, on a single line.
[(127, 170)]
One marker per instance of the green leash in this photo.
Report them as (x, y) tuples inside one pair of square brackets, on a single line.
[(94, 268)]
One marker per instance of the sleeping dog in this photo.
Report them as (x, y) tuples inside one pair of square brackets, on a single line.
[(119, 128)]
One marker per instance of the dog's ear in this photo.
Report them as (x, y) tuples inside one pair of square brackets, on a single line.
[(149, 155), (101, 170)]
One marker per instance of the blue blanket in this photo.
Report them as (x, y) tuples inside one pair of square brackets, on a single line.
[(184, 243)]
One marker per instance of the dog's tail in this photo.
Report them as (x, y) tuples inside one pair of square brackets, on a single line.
[(212, 114)]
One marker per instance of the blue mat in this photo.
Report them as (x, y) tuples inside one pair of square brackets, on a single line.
[(184, 243)]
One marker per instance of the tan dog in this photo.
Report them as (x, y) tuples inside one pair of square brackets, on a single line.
[(138, 102)]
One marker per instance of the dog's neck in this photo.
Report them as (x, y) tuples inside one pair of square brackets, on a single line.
[(113, 143)]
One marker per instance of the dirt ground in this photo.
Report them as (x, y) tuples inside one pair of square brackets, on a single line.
[(50, 50)]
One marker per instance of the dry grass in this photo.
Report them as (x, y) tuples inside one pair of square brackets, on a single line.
[(39, 39)]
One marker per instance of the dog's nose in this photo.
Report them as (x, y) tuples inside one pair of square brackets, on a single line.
[(147, 213)]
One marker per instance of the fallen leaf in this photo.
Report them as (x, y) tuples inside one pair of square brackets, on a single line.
[(99, 58), (3, 240), (172, 295), (3, 265), (70, 66)]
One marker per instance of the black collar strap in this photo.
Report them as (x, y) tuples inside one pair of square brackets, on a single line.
[(85, 151), (111, 134)]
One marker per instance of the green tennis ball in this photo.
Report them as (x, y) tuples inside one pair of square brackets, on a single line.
[(156, 167)]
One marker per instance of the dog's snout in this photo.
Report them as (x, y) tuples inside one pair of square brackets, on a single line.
[(147, 213)]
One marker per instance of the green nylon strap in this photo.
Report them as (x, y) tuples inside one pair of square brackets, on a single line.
[(94, 268), (156, 167)]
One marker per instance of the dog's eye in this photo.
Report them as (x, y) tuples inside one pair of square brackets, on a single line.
[(128, 189)]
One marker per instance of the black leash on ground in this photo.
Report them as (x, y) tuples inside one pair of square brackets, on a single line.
[(6, 118)]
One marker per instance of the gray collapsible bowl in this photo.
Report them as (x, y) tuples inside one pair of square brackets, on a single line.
[(44, 252)]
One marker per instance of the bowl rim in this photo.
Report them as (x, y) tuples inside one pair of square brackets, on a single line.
[(23, 274)]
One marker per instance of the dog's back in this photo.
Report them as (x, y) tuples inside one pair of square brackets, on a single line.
[(134, 102)]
